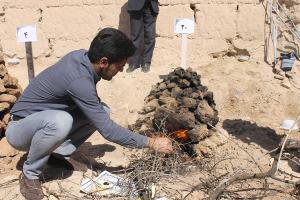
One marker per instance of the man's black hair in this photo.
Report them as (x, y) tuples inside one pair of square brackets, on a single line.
[(110, 43)]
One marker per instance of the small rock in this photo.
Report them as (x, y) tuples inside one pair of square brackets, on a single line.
[(202, 150), (5, 118), (132, 110), (4, 106), (278, 71), (289, 74), (13, 61), (6, 161), (143, 128), (286, 84), (3, 70), (271, 161), (208, 143), (150, 106), (6, 149), (52, 197), (243, 58), (8, 178), (215, 138), (7, 98), (279, 77), (162, 86)]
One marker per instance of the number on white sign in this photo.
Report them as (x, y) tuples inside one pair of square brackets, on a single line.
[(184, 26), (26, 33)]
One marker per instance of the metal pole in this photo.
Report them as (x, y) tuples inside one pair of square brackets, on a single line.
[(28, 46)]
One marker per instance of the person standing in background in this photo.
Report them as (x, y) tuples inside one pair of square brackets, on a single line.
[(143, 14)]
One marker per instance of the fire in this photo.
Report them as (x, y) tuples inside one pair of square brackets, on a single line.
[(181, 135)]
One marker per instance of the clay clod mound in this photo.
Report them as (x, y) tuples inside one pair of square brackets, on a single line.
[(10, 90), (179, 102)]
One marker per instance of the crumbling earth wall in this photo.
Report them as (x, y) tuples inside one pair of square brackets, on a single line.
[(65, 25)]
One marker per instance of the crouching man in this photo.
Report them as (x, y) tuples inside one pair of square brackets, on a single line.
[(60, 109)]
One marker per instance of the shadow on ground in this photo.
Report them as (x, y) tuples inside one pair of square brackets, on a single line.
[(86, 154), (250, 132), (265, 137), (49, 173)]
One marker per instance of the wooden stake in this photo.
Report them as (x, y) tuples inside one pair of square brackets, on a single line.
[(28, 46)]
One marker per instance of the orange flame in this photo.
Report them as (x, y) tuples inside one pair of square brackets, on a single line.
[(181, 135)]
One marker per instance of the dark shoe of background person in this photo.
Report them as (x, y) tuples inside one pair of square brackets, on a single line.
[(131, 68), (68, 164), (31, 189), (146, 67)]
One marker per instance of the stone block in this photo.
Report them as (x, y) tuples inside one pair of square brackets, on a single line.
[(216, 21), (92, 2), (110, 2), (60, 23), (63, 3), (166, 18), (296, 14), (51, 3), (19, 17), (21, 4), (249, 2), (166, 51), (119, 19), (62, 47), (248, 14), (223, 1)]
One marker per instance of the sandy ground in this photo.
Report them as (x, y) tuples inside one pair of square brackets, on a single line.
[(251, 105)]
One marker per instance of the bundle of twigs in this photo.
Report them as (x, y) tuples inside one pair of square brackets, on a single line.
[(149, 169)]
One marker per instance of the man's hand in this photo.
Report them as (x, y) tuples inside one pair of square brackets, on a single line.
[(161, 144)]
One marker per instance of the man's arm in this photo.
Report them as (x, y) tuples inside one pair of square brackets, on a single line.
[(84, 94)]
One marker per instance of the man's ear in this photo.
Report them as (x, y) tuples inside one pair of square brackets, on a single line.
[(103, 62)]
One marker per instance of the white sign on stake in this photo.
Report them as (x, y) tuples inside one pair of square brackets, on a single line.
[(184, 26), (26, 33)]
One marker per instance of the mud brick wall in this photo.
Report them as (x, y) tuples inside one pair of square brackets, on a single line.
[(65, 25)]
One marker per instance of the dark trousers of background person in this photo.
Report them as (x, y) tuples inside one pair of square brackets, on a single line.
[(143, 20)]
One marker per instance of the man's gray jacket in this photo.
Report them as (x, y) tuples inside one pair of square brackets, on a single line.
[(136, 5), (69, 84)]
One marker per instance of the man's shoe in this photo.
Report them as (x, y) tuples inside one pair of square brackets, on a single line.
[(31, 189), (146, 67), (131, 68), (68, 164)]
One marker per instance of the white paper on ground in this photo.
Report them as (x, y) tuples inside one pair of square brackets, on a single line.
[(287, 124), (106, 184)]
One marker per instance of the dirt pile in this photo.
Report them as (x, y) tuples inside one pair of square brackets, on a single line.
[(10, 90), (178, 105)]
